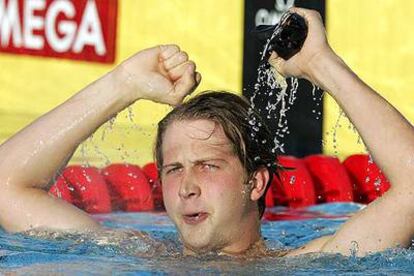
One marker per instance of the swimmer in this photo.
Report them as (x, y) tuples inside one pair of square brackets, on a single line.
[(214, 176)]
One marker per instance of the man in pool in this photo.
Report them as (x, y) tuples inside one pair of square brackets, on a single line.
[(212, 185)]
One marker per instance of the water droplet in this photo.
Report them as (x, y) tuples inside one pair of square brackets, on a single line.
[(354, 248)]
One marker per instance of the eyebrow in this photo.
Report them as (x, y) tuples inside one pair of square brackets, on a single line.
[(204, 160), (175, 164)]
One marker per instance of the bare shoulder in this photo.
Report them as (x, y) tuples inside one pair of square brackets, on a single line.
[(125, 241)]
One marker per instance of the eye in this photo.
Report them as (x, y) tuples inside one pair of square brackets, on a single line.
[(209, 167), (174, 170)]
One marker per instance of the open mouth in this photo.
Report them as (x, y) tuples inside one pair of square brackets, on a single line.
[(195, 218)]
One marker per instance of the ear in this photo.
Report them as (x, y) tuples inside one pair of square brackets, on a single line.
[(259, 181)]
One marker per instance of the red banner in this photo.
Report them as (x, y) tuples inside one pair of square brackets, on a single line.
[(71, 29)]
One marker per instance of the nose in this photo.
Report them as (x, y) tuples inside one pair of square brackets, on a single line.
[(189, 187)]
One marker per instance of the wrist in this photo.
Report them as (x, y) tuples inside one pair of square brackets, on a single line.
[(123, 79), (325, 69)]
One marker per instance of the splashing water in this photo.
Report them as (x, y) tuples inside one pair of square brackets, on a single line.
[(84, 152), (95, 152), (131, 114), (335, 132), (274, 87), (109, 126), (354, 249), (370, 162), (317, 100), (271, 85), (92, 144)]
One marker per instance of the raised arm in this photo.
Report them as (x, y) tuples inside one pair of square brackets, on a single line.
[(31, 159), (388, 221)]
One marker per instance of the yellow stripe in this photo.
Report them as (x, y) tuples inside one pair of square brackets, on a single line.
[(211, 31), (373, 36), (375, 39)]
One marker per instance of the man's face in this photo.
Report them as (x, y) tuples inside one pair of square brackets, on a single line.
[(204, 188)]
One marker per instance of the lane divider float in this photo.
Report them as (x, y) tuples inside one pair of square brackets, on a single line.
[(305, 181)]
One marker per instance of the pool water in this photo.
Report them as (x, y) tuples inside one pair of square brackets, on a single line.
[(83, 254)]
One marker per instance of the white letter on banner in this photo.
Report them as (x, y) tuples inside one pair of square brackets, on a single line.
[(31, 23), (10, 24), (65, 27), (90, 31)]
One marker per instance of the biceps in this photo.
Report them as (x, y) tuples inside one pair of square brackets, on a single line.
[(387, 222), (26, 209)]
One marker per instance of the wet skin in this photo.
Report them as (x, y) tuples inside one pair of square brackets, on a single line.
[(205, 189)]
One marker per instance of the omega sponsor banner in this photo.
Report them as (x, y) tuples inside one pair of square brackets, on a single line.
[(77, 29), (304, 118)]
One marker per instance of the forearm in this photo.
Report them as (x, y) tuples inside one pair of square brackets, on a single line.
[(387, 134), (32, 156)]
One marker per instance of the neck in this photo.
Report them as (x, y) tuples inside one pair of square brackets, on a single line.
[(256, 249)]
